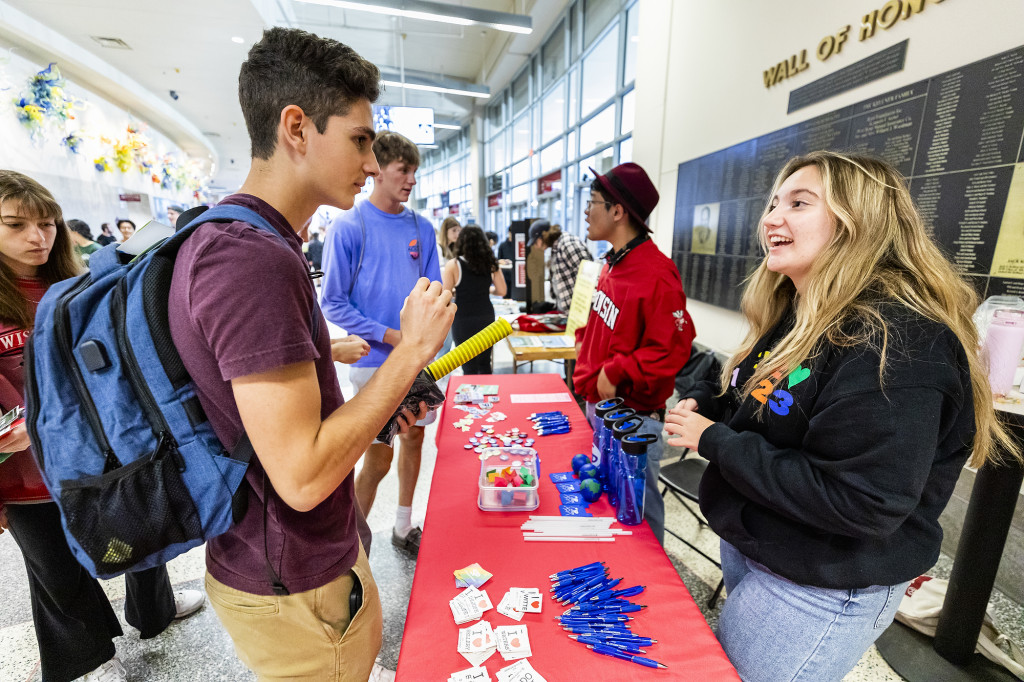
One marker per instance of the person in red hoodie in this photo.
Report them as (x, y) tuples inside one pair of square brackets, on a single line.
[(73, 620), (638, 335)]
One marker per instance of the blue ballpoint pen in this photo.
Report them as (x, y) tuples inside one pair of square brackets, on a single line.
[(584, 629), (608, 651), (598, 589), (577, 593), (621, 646), (627, 637), (596, 618), (626, 592)]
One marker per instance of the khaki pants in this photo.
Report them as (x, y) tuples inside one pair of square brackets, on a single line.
[(308, 636)]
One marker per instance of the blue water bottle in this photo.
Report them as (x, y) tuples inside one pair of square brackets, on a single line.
[(600, 410), (604, 473), (633, 464), (620, 430)]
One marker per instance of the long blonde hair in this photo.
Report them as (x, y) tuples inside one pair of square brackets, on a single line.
[(880, 252), (35, 200)]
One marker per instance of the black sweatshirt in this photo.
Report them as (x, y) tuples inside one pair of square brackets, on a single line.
[(839, 481)]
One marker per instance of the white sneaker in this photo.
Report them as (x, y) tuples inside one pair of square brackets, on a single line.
[(187, 602), (111, 671), (381, 674)]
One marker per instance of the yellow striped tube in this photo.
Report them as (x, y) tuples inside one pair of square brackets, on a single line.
[(470, 348)]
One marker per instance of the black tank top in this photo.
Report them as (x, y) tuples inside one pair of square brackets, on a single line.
[(472, 293)]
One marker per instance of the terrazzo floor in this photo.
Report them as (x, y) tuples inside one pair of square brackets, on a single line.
[(197, 649)]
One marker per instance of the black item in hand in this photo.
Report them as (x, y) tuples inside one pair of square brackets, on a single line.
[(424, 389)]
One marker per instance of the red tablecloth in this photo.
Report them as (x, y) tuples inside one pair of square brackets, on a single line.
[(456, 533)]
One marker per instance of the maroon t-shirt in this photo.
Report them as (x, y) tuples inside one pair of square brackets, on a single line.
[(241, 304)]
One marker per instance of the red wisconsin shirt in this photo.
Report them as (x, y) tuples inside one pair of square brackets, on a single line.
[(20, 480), (638, 331)]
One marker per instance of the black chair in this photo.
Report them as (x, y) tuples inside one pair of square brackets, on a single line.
[(682, 478)]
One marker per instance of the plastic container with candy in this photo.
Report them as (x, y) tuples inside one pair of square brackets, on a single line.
[(509, 479)]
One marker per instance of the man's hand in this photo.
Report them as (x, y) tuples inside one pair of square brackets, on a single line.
[(605, 388), (426, 318), (349, 349), (686, 425), (407, 420), (16, 440)]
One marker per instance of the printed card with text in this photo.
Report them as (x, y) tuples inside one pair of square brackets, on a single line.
[(520, 671), (473, 674), (506, 607), (513, 642), (473, 575), (526, 599), (477, 643), (464, 609)]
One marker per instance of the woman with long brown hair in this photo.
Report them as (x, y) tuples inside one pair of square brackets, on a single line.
[(847, 415), (74, 622)]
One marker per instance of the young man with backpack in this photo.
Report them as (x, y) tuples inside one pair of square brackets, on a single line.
[(372, 256), (290, 581)]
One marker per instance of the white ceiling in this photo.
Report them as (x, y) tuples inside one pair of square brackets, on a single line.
[(186, 46)]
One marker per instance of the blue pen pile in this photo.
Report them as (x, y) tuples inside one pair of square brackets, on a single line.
[(550, 423), (598, 617)]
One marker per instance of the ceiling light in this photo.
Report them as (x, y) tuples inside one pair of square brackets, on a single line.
[(238, 39), (436, 11), (114, 43), (437, 88), (447, 126)]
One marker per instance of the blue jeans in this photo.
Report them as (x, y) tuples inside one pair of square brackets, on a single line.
[(774, 630), (654, 504)]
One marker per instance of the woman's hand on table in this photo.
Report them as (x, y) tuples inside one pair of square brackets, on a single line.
[(685, 424)]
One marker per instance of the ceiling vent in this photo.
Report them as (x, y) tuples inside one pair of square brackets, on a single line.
[(112, 43)]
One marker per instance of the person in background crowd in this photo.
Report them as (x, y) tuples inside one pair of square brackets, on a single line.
[(448, 233), (81, 237), (470, 275), (74, 623), (315, 250), (372, 256), (567, 252), (239, 314), (639, 334), (492, 240), (172, 214), (127, 228), (855, 400), (506, 261), (106, 237)]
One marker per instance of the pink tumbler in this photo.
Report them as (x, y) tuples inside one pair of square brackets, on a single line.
[(1003, 346)]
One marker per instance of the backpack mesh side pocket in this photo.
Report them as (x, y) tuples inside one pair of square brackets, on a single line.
[(123, 516)]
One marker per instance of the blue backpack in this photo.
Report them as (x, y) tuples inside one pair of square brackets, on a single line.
[(116, 427)]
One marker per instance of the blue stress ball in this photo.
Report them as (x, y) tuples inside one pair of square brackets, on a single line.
[(590, 489), (578, 461), (588, 470)]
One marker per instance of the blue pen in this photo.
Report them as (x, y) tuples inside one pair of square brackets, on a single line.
[(591, 629), (566, 584), (609, 618), (627, 592), (609, 608), (571, 571), (621, 646), (597, 589), (580, 576), (609, 651), (617, 637), (598, 582)]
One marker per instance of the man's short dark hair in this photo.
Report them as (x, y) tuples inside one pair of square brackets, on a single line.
[(81, 227), (391, 146), (289, 66)]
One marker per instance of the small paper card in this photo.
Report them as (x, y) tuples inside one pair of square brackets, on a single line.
[(513, 642), (520, 671), (562, 477), (573, 510), (507, 608), (573, 498), (479, 637), (473, 575), (568, 487), (526, 599), (473, 674), (469, 605)]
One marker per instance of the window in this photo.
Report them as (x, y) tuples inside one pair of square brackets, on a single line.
[(553, 56), (628, 112), (573, 151), (494, 118), (626, 150), (598, 131), (553, 113), (521, 172), (521, 137), (596, 15), (521, 92), (599, 72), (632, 41), (551, 157), (574, 96)]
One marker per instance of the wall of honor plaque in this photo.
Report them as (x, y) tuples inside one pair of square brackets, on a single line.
[(957, 137)]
